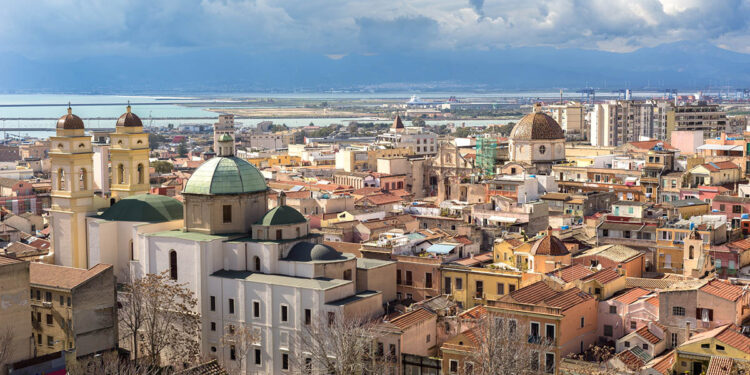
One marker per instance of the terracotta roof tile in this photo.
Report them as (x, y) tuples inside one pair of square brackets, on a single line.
[(549, 245), (720, 165), (720, 366), (647, 335), (571, 273), (540, 293), (723, 289), (604, 276), (404, 321), (63, 277), (664, 364), (630, 360), (735, 339), (648, 145), (632, 295)]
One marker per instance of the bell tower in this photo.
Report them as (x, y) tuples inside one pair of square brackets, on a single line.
[(129, 157), (71, 160)]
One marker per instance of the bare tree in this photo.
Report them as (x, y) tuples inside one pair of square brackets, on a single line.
[(341, 346), (595, 361), (238, 339), (501, 346), (6, 346), (158, 317), (108, 363)]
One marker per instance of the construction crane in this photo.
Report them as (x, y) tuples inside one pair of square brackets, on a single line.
[(670, 93), (589, 93)]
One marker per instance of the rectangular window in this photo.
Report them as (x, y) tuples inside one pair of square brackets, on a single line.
[(48, 296), (49, 319), (511, 288), (68, 301), (678, 311), (633, 325), (613, 309), (605, 232), (645, 346), (232, 353), (38, 295), (500, 288), (231, 306), (428, 280), (608, 330), (256, 309), (479, 289), (534, 332), (285, 361), (39, 339), (284, 313), (227, 213), (447, 287), (737, 209), (459, 284), (257, 357), (308, 317), (627, 344), (550, 332), (582, 322), (213, 303), (213, 326), (453, 366), (408, 278), (50, 341), (398, 277), (549, 363), (62, 300)]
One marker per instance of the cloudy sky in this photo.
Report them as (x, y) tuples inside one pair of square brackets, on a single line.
[(79, 28)]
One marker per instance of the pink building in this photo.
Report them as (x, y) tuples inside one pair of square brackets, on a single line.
[(687, 141), (625, 313)]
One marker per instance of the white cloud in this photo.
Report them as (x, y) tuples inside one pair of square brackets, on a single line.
[(73, 28)]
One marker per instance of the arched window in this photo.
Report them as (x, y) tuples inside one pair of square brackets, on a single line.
[(141, 174), (256, 260), (83, 179), (690, 251), (120, 174), (173, 265), (60, 179)]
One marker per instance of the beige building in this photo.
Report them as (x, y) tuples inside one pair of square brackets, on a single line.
[(15, 309), (572, 118), (706, 117), (73, 308)]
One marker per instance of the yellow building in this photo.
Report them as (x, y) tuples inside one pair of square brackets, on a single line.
[(275, 160), (71, 161), (714, 174), (694, 355), (374, 155), (73, 309), (129, 156), (340, 217), (471, 286)]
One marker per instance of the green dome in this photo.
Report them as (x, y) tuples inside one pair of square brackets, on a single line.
[(225, 138), (150, 208), (282, 215), (225, 175)]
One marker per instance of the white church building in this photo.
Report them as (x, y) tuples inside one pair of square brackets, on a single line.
[(247, 265)]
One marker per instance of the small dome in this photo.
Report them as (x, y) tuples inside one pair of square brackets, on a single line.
[(225, 175), (70, 121), (150, 208), (549, 245), (282, 215), (129, 119), (225, 138), (537, 126), (310, 252)]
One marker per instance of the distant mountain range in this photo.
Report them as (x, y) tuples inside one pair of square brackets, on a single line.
[(683, 65)]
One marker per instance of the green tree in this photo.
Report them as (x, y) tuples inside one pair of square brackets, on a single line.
[(156, 140), (418, 122), (162, 166), (463, 131), (182, 149)]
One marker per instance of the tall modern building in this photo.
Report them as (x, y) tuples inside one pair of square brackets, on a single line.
[(621, 121), (707, 117), (572, 118)]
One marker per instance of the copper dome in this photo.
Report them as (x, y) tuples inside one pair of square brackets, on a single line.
[(536, 126), (70, 121), (129, 119)]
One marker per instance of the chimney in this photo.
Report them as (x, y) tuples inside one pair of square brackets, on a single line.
[(687, 331), (281, 200)]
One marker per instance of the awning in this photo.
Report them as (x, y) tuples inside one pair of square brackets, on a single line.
[(440, 248), (720, 147)]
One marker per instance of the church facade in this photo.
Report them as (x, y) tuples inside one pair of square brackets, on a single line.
[(247, 265)]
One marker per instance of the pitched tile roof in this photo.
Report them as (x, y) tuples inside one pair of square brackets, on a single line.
[(720, 165), (647, 335), (571, 273), (720, 366), (404, 321), (63, 277), (209, 368), (615, 253), (540, 293), (474, 312), (632, 295), (648, 145), (728, 334), (630, 360), (663, 364), (723, 290), (604, 276), (653, 301)]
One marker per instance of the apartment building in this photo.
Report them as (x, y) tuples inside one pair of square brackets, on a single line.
[(708, 118)]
